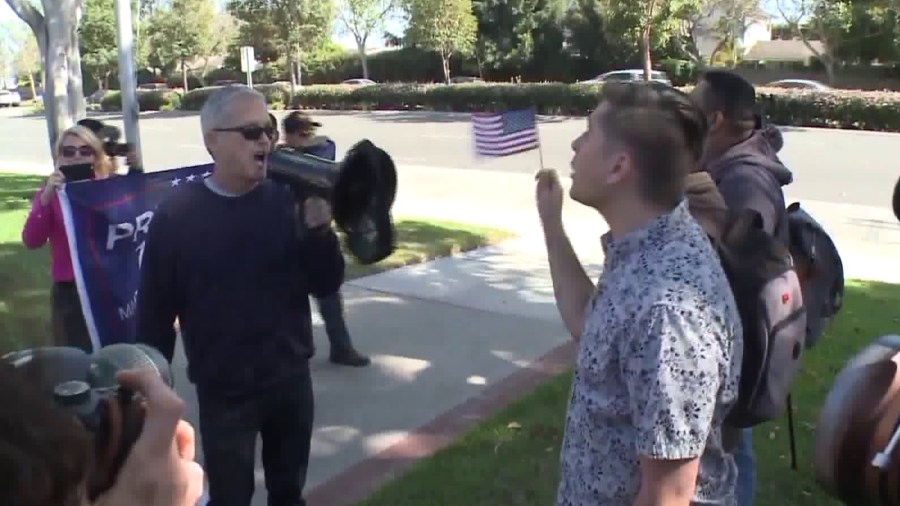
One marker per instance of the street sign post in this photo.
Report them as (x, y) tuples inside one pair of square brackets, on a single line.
[(248, 63)]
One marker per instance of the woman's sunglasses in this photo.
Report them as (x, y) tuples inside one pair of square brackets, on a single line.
[(71, 151), (251, 132)]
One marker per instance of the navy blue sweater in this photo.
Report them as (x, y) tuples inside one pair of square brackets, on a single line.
[(238, 278)]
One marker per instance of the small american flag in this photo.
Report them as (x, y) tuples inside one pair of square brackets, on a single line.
[(505, 133)]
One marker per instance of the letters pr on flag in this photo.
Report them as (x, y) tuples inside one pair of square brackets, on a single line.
[(107, 222), (505, 133)]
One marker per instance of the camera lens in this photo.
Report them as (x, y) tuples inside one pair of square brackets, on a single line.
[(72, 393)]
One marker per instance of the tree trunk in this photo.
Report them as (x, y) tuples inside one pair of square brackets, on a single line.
[(292, 65), (299, 63), (363, 60), (75, 81), (645, 51), (184, 75), (445, 61), (31, 84), (828, 63), (56, 96)]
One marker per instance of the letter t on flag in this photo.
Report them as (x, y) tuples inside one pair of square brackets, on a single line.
[(506, 133)]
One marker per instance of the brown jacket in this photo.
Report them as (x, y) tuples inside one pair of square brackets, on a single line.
[(705, 202)]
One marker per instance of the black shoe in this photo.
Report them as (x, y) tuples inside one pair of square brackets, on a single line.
[(350, 358)]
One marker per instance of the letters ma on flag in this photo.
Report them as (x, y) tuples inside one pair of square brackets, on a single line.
[(106, 223), (505, 133)]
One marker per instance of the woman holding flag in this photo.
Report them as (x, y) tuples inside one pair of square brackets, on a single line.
[(76, 146)]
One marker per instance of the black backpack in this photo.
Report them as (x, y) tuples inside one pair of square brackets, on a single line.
[(820, 269), (770, 301)]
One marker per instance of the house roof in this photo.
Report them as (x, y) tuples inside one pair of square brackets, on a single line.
[(783, 50)]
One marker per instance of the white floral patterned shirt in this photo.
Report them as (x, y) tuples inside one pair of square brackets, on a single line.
[(657, 370)]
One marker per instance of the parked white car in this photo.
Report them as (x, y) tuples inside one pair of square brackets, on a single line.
[(630, 75), (10, 98), (799, 84), (358, 82)]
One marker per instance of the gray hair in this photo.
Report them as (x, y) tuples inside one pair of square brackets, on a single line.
[(215, 111)]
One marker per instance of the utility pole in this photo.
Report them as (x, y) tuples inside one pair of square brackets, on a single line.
[(128, 81)]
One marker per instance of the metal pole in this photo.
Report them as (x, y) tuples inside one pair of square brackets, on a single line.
[(127, 80), (734, 34)]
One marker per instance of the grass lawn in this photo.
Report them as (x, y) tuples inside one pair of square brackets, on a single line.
[(513, 457), (25, 276)]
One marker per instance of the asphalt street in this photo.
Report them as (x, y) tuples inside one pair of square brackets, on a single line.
[(829, 165)]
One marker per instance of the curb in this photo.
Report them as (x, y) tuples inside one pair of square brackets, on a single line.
[(359, 481)]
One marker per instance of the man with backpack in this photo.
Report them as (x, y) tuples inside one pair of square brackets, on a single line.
[(742, 161)]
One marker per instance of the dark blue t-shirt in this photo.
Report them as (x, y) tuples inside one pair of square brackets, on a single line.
[(237, 275)]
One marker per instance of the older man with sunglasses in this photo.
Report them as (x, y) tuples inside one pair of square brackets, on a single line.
[(226, 259)]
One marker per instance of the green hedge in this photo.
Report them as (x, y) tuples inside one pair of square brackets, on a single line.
[(277, 96), (853, 110), (850, 110), (147, 101)]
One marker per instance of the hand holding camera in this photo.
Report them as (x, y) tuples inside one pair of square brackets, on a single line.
[(160, 469), (122, 395)]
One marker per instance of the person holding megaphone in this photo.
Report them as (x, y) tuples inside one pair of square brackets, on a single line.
[(225, 258)]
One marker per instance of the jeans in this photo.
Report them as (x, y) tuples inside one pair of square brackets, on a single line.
[(331, 308), (283, 416), (746, 466)]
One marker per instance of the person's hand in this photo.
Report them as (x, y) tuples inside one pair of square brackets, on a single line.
[(54, 184), (549, 196), (160, 469), (131, 156), (316, 213)]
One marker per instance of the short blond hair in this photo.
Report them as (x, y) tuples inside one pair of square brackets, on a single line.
[(103, 165)]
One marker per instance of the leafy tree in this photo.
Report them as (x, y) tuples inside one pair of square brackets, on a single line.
[(719, 20), (505, 32), (549, 37), (873, 34), (28, 62), (823, 20), (99, 51), (284, 28), (303, 26), (655, 22), (256, 27), (597, 38), (180, 34), (445, 26), (362, 18)]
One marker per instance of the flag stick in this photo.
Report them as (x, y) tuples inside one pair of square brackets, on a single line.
[(540, 152)]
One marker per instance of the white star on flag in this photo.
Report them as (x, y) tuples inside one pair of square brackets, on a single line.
[(207, 174), (176, 181), (190, 178)]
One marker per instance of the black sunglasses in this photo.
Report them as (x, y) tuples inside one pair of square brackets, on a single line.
[(71, 151), (251, 132)]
